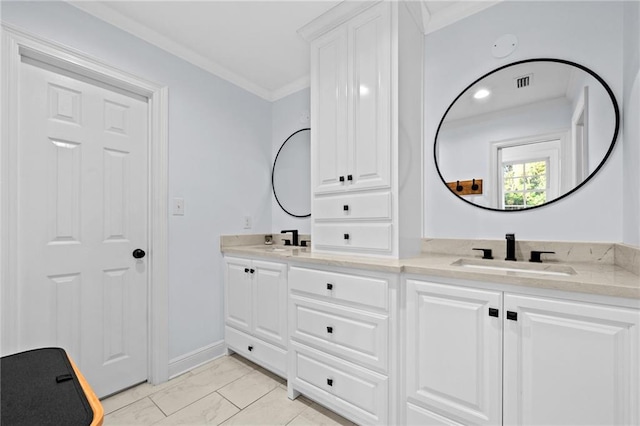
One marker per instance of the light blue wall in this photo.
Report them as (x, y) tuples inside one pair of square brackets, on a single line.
[(586, 32), (286, 120), (220, 144), (631, 124)]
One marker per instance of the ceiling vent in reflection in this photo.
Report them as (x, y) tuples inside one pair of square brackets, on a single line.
[(523, 81)]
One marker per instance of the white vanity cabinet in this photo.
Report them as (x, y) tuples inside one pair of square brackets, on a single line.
[(256, 311), (341, 342), (563, 362), (358, 107)]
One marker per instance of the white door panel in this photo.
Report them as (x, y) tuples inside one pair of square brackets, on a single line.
[(454, 351), (570, 363), (82, 190)]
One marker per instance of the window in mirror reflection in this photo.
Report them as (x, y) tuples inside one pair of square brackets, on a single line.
[(528, 171), (525, 184)]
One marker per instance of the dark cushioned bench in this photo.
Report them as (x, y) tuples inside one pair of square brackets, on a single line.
[(43, 387)]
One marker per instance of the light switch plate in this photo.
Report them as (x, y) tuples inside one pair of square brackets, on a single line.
[(178, 206)]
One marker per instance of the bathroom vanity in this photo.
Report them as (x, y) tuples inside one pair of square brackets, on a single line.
[(432, 340), (385, 332)]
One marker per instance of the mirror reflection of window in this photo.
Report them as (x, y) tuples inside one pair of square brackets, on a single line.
[(525, 184), (529, 173)]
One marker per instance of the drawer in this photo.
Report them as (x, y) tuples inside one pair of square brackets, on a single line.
[(357, 206), (346, 288), (347, 333), (262, 353), (338, 384), (374, 237)]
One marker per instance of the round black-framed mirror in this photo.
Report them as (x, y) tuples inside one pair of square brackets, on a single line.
[(291, 174), (526, 134)]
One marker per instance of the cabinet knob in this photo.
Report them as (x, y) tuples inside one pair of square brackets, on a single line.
[(513, 316), (252, 270), (246, 270), (329, 330), (345, 207), (346, 236), (350, 178), (329, 286), (341, 178), (330, 382), (493, 312), (250, 348)]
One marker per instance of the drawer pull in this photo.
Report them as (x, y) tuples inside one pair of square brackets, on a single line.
[(252, 270), (330, 382), (493, 312), (513, 316), (250, 348), (329, 286), (330, 330), (346, 236), (246, 270)]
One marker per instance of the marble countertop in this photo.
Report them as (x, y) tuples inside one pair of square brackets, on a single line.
[(600, 278)]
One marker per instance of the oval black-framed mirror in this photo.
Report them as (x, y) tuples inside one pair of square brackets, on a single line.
[(291, 174), (526, 134)]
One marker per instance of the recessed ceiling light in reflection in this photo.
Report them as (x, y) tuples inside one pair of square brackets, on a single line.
[(364, 90), (481, 94)]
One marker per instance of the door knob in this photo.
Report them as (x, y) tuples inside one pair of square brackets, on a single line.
[(138, 253)]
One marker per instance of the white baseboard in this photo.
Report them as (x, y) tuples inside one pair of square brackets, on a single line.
[(191, 360)]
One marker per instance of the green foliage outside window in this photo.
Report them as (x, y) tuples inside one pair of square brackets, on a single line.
[(525, 184)]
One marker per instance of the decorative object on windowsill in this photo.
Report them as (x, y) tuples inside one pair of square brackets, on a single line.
[(466, 187)]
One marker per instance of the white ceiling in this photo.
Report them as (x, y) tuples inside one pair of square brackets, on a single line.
[(253, 44)]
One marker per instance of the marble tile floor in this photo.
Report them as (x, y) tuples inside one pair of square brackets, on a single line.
[(229, 390)]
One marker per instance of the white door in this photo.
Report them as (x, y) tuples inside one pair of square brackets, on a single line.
[(238, 293), (82, 209), (369, 54), (270, 302), (454, 352), (570, 363), (329, 103)]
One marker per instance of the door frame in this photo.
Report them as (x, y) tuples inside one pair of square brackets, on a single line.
[(16, 44)]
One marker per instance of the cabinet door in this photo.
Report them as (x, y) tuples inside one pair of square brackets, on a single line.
[(369, 99), (454, 352), (570, 363), (270, 302), (329, 108), (238, 293)]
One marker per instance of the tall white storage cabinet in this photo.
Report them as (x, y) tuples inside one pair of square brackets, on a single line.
[(366, 129)]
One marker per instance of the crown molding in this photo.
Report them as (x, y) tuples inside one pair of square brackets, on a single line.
[(453, 13), (291, 88), (145, 33), (334, 17)]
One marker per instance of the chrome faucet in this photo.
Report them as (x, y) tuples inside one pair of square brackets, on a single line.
[(511, 247), (294, 233)]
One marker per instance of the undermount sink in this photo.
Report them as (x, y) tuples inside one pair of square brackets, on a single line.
[(277, 248), (516, 267)]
